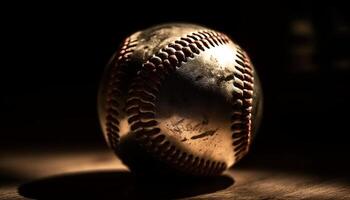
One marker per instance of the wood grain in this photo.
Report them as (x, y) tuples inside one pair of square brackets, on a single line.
[(96, 173)]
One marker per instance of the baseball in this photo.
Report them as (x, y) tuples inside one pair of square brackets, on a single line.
[(179, 99)]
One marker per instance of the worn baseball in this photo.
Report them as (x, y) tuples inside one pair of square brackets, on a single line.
[(179, 99)]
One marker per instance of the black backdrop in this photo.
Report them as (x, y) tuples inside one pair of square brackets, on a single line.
[(54, 56)]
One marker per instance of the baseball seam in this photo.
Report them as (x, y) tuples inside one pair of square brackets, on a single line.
[(113, 89), (140, 105), (241, 126)]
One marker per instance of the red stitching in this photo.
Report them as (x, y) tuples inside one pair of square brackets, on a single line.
[(242, 120), (153, 72), (112, 104)]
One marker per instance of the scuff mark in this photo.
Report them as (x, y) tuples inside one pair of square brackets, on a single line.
[(204, 134), (179, 122)]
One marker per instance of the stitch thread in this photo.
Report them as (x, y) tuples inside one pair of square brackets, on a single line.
[(113, 90), (241, 125)]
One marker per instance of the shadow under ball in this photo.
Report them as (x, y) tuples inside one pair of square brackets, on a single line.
[(179, 99)]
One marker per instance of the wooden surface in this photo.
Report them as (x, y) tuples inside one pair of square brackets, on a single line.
[(95, 173)]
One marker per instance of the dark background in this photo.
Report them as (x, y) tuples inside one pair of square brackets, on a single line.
[(54, 56)]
